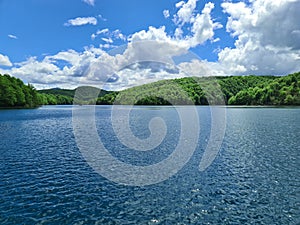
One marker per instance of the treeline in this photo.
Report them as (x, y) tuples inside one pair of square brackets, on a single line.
[(57, 96), (280, 91), (81, 95), (233, 90), (15, 94), (55, 99)]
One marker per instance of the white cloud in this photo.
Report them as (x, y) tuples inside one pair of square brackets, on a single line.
[(186, 11), (267, 35), (194, 68), (37, 72), (216, 40), (201, 28), (48, 74), (142, 73), (179, 4), (80, 21), (109, 35), (178, 33), (108, 40), (70, 56), (93, 36), (166, 13), (103, 31), (106, 46), (12, 36), (4, 60), (102, 18), (155, 44), (89, 2), (117, 34)]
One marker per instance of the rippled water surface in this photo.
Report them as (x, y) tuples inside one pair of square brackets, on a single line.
[(255, 179)]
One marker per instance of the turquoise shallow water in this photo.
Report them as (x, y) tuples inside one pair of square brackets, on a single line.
[(254, 179)]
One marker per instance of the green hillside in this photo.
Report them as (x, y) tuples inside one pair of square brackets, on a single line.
[(58, 91), (233, 90), (14, 93), (67, 92), (57, 96)]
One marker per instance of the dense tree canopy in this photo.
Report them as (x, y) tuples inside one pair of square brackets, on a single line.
[(80, 95), (13, 93), (280, 91), (233, 90)]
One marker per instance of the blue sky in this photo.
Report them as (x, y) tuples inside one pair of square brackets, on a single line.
[(64, 43)]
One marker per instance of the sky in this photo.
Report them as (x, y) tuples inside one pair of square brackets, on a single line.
[(116, 44)]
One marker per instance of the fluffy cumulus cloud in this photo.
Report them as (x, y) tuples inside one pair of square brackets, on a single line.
[(154, 44), (139, 73), (80, 21), (201, 26), (185, 12), (66, 69), (41, 72), (195, 68), (4, 60), (267, 33)]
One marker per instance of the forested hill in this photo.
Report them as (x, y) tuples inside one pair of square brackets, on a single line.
[(233, 90), (13, 93), (57, 95)]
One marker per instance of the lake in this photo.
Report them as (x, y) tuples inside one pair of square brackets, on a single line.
[(45, 178)]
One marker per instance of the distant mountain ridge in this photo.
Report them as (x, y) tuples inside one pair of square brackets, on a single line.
[(68, 92), (58, 91)]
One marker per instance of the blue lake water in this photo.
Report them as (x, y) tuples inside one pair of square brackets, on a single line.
[(44, 178)]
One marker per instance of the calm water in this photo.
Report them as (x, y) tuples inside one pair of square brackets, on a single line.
[(255, 179)]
